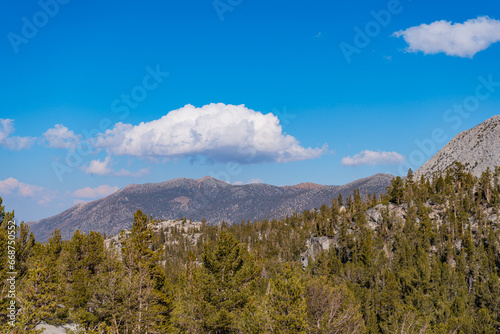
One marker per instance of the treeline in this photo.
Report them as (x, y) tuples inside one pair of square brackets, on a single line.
[(429, 264)]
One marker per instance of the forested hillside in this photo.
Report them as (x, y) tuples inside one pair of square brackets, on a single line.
[(422, 258)]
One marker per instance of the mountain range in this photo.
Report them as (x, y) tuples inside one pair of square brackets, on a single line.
[(206, 198)]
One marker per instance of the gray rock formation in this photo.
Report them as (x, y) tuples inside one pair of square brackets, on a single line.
[(315, 246), (49, 329), (477, 149), (206, 198), (187, 230), (375, 216)]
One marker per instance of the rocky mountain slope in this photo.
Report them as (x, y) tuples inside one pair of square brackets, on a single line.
[(477, 149), (205, 198)]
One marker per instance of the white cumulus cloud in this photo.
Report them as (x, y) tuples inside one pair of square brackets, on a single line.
[(100, 191), (373, 158), (98, 167), (454, 39), (218, 132), (61, 137), (13, 142)]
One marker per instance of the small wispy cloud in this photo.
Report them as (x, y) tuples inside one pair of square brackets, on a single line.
[(12, 186), (251, 181), (255, 180), (100, 191), (98, 167), (104, 168), (125, 172), (453, 39), (13, 143), (318, 35), (373, 158)]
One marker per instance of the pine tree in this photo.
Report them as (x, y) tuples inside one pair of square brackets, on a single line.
[(332, 309), (107, 300), (226, 282), (389, 300), (396, 190), (187, 314), (484, 324), (41, 288), (285, 303), (150, 304)]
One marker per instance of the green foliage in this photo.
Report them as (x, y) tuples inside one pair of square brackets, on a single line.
[(332, 309), (285, 303), (223, 287), (396, 190)]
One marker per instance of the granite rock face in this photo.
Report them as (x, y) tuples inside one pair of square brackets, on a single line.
[(49, 329), (477, 149), (315, 246)]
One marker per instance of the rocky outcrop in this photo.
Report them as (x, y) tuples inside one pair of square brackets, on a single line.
[(49, 329), (477, 149), (315, 246), (375, 215), (186, 229)]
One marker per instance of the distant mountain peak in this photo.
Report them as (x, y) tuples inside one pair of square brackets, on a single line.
[(477, 149), (306, 186), (205, 178), (210, 180)]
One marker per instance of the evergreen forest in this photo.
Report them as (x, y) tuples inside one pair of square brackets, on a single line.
[(429, 262)]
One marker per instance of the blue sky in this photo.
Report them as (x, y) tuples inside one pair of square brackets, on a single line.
[(313, 112)]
